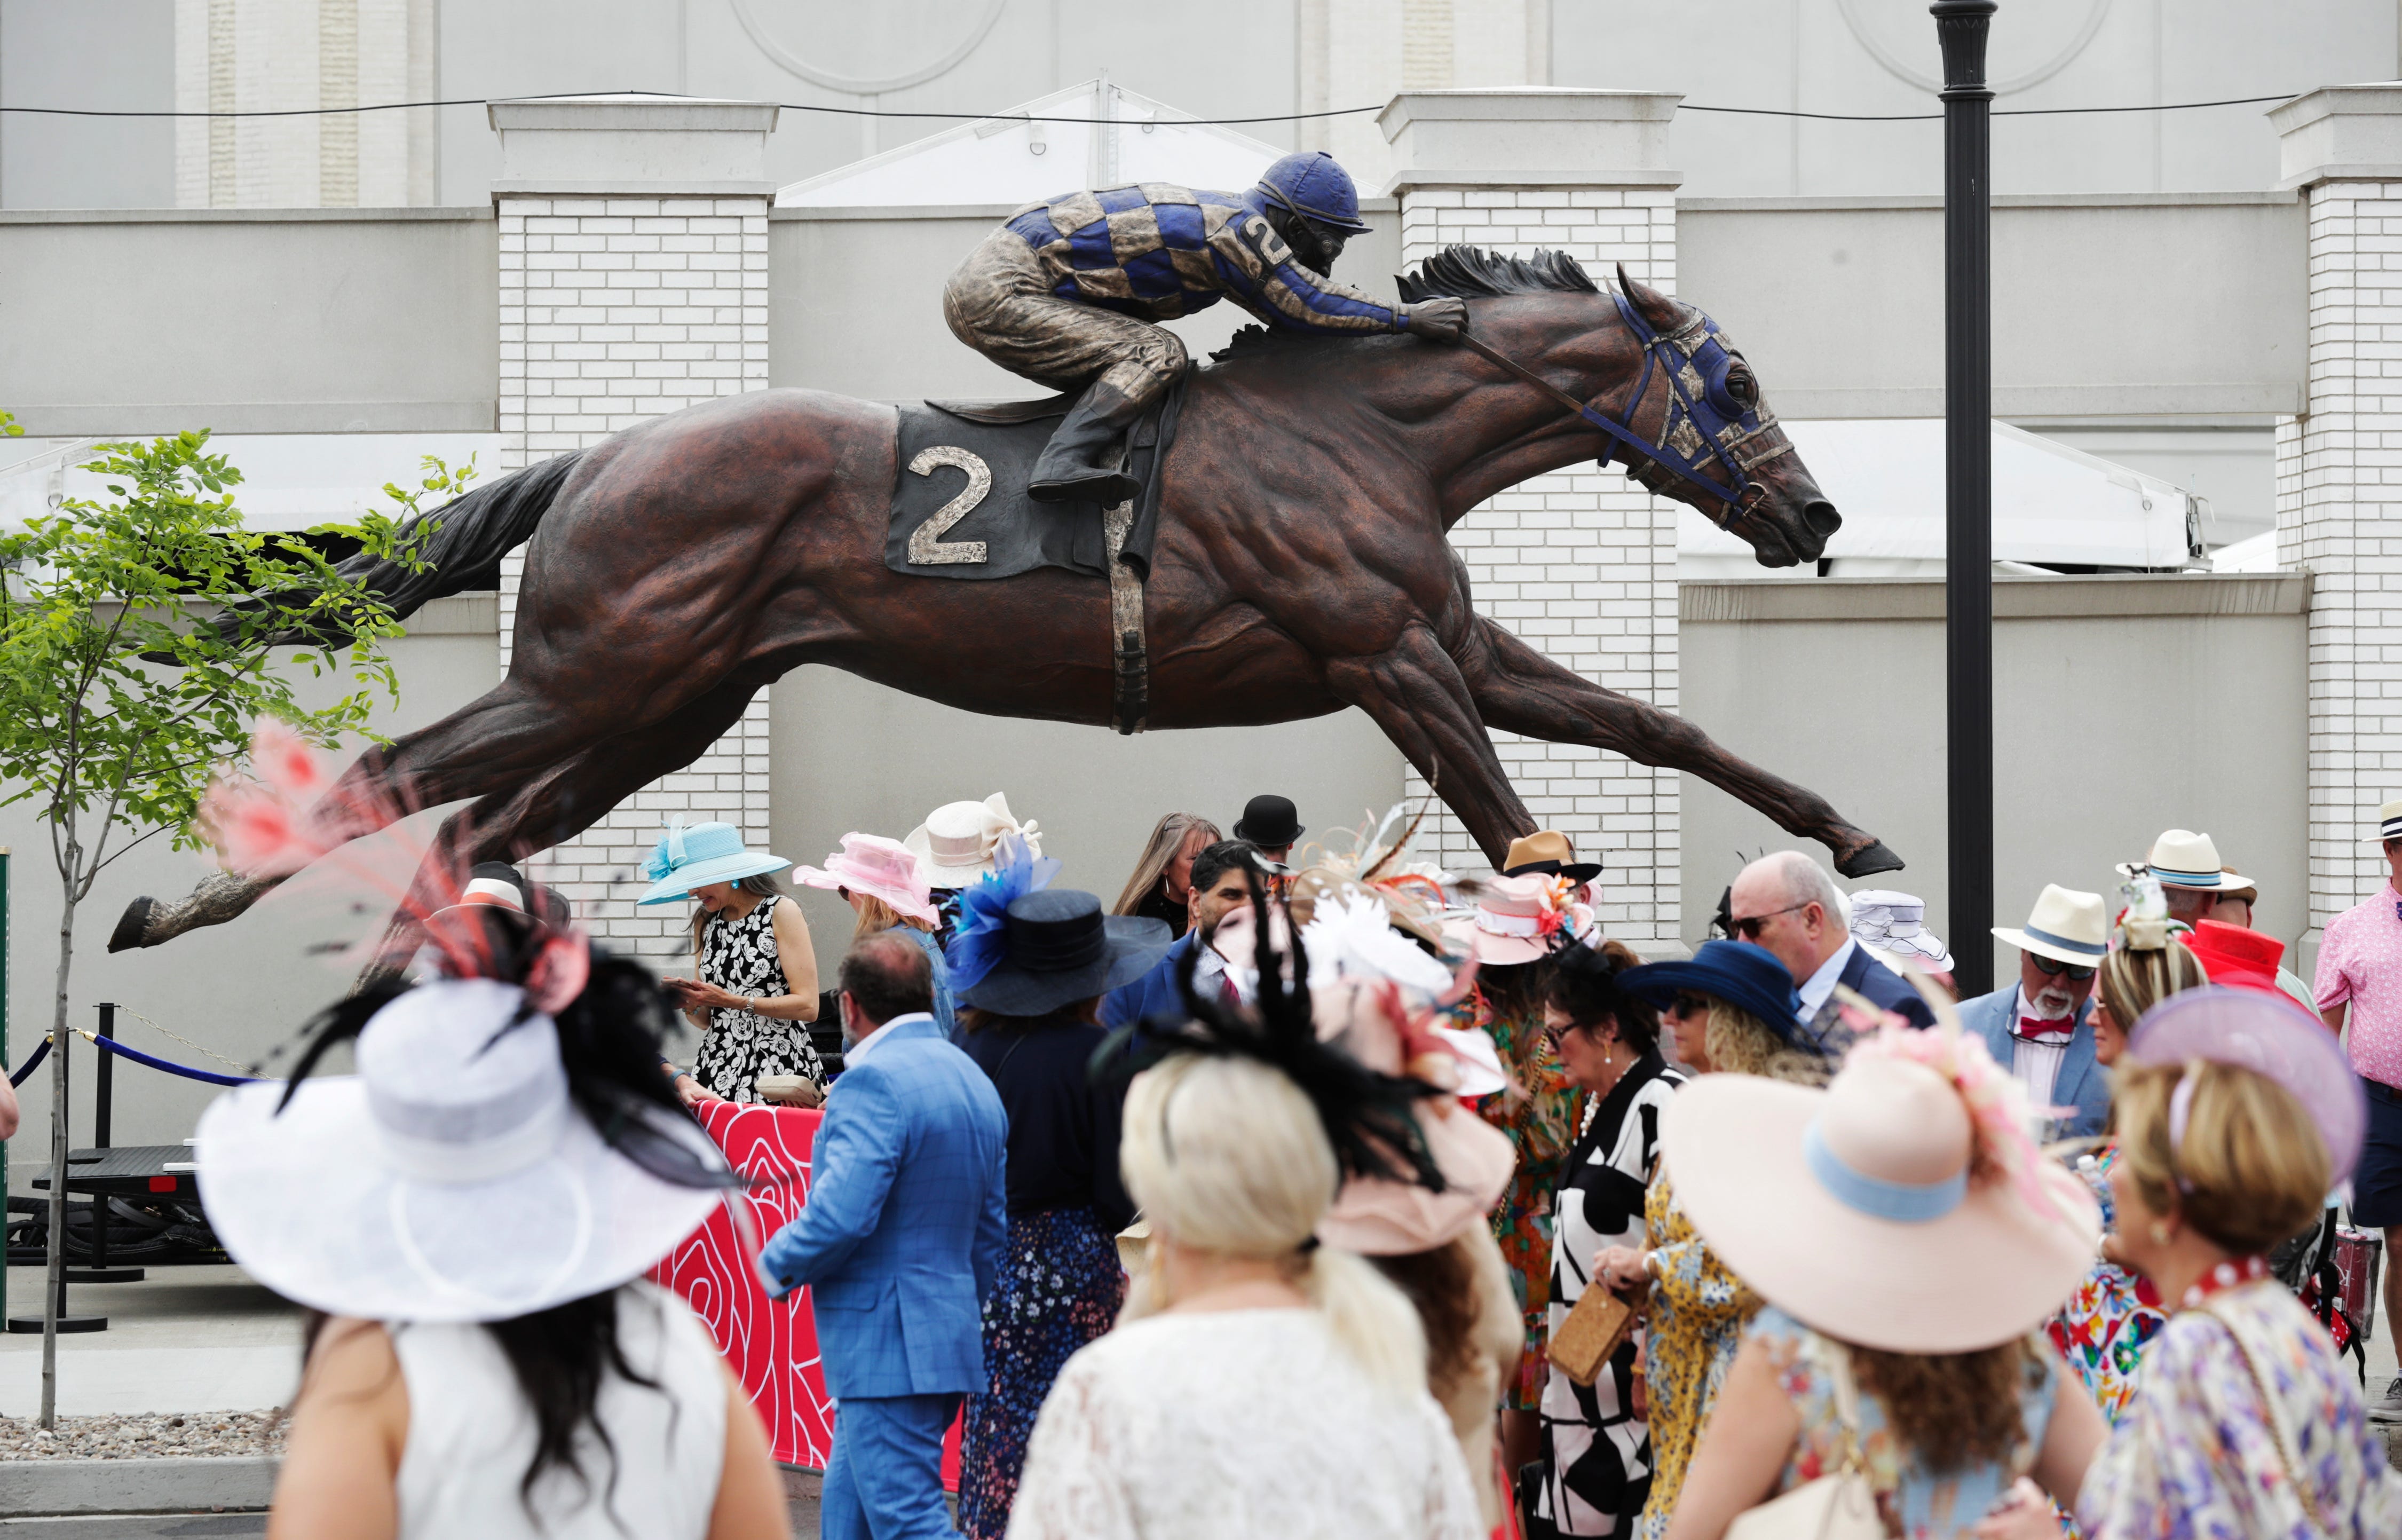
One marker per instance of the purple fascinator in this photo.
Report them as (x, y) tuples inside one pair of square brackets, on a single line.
[(980, 936), (2270, 1035)]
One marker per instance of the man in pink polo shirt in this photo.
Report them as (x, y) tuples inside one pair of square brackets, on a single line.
[(2360, 984)]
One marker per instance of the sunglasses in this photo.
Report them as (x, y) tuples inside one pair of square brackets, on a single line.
[(2052, 969), (1748, 927), (1688, 1005)]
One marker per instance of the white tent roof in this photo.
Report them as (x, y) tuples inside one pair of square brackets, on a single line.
[(290, 481), (1008, 159), (2051, 503)]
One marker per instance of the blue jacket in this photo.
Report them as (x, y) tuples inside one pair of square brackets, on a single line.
[(2081, 1083), (1155, 993), (902, 1236), (1886, 987)]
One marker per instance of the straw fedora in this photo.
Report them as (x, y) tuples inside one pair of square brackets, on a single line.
[(2066, 926), (1517, 920), (956, 844), (2183, 859), (381, 1194), (2389, 825), (880, 868), (1852, 1209), (1547, 853), (2267, 1033), (686, 859)]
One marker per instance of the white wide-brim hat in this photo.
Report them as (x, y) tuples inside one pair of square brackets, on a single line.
[(2182, 859), (450, 1179), (2389, 825), (2066, 926), (1850, 1208), (959, 841)]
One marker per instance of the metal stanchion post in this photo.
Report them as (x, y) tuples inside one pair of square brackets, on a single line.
[(31, 1325), (104, 1107)]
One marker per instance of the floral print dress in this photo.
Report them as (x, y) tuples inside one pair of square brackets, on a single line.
[(2103, 1328), (2199, 1454), (1541, 1124), (738, 956), (1698, 1312)]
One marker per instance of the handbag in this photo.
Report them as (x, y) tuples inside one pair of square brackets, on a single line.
[(1594, 1328), (1839, 1506)]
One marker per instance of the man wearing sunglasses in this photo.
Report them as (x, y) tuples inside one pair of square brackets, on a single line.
[(2037, 1027), (1789, 905)]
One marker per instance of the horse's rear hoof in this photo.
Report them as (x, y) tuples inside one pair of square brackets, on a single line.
[(1868, 860), (132, 926)]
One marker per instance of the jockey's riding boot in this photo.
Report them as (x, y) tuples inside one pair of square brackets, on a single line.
[(1071, 468)]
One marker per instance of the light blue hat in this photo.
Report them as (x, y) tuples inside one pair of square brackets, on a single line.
[(686, 859)]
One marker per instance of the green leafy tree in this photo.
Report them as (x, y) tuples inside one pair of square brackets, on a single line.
[(142, 639)]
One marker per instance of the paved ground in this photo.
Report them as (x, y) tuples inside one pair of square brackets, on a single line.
[(247, 1526), (185, 1339)]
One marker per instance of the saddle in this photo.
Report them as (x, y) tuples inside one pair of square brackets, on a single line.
[(959, 508)]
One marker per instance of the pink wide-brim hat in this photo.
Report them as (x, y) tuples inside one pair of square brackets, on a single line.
[(1850, 1209), (880, 868), (1517, 920)]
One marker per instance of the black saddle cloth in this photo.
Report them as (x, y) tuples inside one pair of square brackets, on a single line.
[(959, 508)]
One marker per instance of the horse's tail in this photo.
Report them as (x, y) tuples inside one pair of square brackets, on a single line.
[(472, 534)]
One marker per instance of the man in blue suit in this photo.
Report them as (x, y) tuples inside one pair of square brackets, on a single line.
[(900, 1242), (1789, 905), (1221, 878), (2037, 1027)]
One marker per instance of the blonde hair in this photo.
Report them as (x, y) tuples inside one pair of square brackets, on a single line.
[(1168, 838), (2133, 980), (1740, 1043), (2251, 1170), (876, 918), (1228, 1156)]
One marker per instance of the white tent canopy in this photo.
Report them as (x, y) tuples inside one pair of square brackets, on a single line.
[(2053, 505), (1122, 137), (289, 481)]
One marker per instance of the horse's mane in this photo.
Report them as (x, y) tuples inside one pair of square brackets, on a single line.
[(1456, 272)]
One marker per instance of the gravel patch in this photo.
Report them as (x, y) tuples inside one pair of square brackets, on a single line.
[(144, 1436)]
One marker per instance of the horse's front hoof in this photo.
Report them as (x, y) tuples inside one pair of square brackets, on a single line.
[(132, 926), (1868, 860)]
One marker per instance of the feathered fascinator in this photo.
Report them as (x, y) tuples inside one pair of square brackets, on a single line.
[(1375, 866), (2144, 923), (980, 936), (1368, 1116)]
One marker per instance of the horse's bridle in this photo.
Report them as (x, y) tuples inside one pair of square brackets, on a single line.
[(1704, 422)]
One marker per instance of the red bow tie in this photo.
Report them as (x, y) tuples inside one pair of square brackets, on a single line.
[(2053, 1032)]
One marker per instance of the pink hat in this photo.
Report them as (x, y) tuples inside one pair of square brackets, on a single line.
[(1885, 1210), (877, 867), (1518, 919)]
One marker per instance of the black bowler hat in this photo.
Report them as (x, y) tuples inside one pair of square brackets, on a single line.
[(1061, 949), (1269, 822)]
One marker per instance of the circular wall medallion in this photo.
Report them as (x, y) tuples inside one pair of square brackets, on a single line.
[(1893, 65), (787, 60)]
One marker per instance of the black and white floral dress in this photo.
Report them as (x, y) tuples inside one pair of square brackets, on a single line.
[(1597, 1454), (740, 1046)]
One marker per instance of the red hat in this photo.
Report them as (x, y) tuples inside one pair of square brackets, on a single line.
[(2231, 954)]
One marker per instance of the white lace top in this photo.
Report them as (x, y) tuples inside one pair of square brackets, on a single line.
[(1254, 1422)]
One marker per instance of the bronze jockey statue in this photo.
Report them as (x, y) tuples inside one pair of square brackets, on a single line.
[(1067, 293)]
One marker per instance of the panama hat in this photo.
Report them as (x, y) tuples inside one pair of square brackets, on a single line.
[(1547, 852), (1743, 974), (2066, 927), (1517, 920), (1853, 1208), (2389, 824), (1061, 948), (877, 867), (452, 1178), (956, 842), (2183, 859), (686, 859)]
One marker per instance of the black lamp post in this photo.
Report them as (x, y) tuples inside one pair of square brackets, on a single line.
[(1960, 27)]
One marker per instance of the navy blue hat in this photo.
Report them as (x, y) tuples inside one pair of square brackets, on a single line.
[(1061, 949), (1314, 184), (1746, 976)]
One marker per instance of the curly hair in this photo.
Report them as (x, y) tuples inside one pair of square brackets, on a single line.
[(1955, 1409), (1441, 1285), (1741, 1043), (1591, 998)]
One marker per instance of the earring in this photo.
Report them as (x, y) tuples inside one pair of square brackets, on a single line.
[(2161, 1235)]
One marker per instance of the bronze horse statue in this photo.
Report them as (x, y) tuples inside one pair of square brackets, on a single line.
[(675, 569)]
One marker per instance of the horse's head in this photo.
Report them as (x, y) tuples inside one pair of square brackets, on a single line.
[(1708, 437)]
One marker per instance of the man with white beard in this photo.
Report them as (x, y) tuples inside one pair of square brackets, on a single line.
[(2037, 1026)]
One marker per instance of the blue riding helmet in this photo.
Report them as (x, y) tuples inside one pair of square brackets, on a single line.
[(1316, 186)]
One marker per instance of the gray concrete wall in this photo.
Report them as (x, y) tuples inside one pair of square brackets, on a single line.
[(239, 990), (2125, 306), (318, 320), (116, 54), (2122, 707)]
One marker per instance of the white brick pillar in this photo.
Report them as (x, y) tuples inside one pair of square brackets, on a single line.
[(633, 282), (2339, 473), (1580, 563)]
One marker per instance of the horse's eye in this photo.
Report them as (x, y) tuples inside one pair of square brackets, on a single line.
[(1742, 388)]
